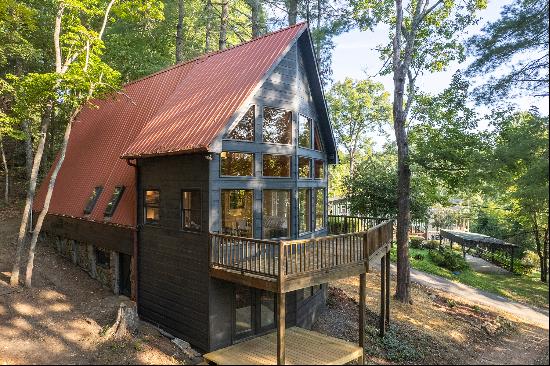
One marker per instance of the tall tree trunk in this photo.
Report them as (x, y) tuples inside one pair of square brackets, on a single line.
[(14, 280), (540, 249), (179, 32), (292, 10), (208, 11), (318, 40), (51, 185), (255, 17), (28, 148), (223, 25), (404, 173), (6, 172)]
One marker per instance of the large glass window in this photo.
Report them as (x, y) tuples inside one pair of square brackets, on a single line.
[(244, 130), (304, 134), (152, 206), (276, 214), (237, 164), (92, 200), (319, 208), (276, 165), (113, 202), (191, 210), (304, 167), (267, 309), (237, 212), (243, 311), (319, 169), (277, 126), (304, 210), (317, 144)]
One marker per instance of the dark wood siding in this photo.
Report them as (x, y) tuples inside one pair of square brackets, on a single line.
[(117, 238), (173, 264)]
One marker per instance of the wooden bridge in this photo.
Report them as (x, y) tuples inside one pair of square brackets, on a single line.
[(287, 265)]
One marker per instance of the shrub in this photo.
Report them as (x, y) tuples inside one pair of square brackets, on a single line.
[(530, 261), (415, 242), (449, 260), (431, 244), (418, 257)]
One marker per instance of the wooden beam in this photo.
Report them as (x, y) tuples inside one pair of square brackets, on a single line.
[(388, 289), (281, 327), (362, 308), (382, 318)]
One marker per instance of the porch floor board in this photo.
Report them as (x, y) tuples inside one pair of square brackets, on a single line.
[(303, 347)]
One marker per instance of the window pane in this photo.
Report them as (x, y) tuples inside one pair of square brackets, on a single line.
[(152, 197), (304, 135), (237, 164), (304, 167), (243, 310), (276, 165), (304, 210), (319, 169), (113, 203), (276, 214), (245, 128), (152, 214), (267, 309), (191, 210), (317, 141), (92, 200), (277, 126), (237, 212), (319, 208)]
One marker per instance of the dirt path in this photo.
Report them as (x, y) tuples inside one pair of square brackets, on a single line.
[(526, 313)]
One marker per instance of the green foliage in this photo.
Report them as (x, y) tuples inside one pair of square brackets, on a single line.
[(415, 241), (513, 51), (449, 259), (431, 244)]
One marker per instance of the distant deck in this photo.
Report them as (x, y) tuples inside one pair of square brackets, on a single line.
[(303, 347), (284, 266)]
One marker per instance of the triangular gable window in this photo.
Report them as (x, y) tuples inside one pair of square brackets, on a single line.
[(317, 142), (92, 200), (244, 130), (113, 203)]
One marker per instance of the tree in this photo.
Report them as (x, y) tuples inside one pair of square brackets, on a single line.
[(357, 107), (79, 75), (179, 32), (519, 171), (424, 37), (519, 38)]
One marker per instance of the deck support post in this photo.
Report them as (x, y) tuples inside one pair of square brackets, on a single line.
[(382, 318), (281, 328), (388, 287), (362, 308)]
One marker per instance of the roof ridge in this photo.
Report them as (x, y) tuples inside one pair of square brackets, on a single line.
[(213, 53)]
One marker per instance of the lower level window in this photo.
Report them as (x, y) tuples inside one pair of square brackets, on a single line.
[(276, 213), (103, 259), (319, 208), (191, 210), (237, 212), (152, 206)]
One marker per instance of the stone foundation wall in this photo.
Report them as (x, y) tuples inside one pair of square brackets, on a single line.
[(84, 255)]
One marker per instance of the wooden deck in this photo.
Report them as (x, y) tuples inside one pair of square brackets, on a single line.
[(284, 266), (303, 347)]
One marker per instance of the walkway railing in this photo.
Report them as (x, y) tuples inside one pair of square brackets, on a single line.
[(342, 224)]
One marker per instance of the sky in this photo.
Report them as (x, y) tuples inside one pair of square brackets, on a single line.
[(355, 56)]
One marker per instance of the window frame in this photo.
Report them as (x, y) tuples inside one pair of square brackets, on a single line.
[(316, 132), (145, 205), (291, 142), (253, 219), (275, 176), (311, 128), (315, 170), (310, 177), (289, 219), (238, 176), (92, 201), (183, 210), (115, 201), (226, 137)]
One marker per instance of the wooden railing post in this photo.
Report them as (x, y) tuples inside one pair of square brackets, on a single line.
[(362, 308), (382, 319), (281, 308), (388, 288)]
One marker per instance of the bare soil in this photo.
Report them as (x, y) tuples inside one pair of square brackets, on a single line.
[(63, 318)]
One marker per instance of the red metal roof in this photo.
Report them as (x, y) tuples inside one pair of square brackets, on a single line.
[(177, 110)]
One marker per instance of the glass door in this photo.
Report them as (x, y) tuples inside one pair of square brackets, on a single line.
[(254, 312)]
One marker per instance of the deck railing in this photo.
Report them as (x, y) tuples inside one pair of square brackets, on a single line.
[(299, 257), (343, 224)]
